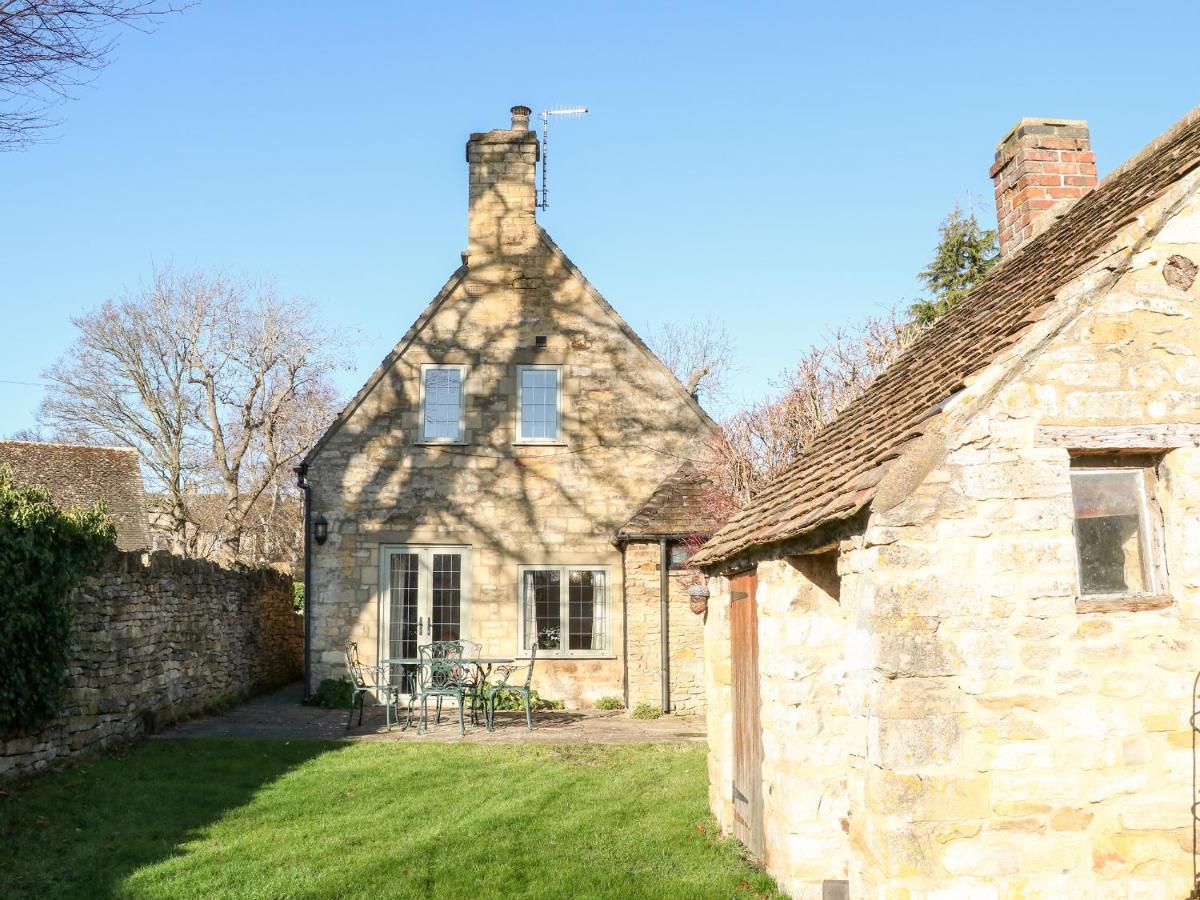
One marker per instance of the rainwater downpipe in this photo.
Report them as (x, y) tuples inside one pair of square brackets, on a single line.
[(664, 618), (302, 482)]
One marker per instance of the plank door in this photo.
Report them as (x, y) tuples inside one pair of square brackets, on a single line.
[(747, 727)]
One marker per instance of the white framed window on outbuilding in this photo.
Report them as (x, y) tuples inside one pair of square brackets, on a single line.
[(1118, 528)]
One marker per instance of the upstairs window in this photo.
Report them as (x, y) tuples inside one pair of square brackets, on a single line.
[(1117, 528), (442, 404), (539, 399)]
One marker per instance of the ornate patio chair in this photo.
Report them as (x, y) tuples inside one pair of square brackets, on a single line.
[(474, 677), (507, 686), (442, 674), (373, 681)]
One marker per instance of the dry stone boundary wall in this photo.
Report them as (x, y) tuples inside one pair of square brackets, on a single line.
[(157, 638)]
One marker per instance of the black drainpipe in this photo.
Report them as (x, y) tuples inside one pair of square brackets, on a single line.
[(624, 625), (302, 482), (664, 615)]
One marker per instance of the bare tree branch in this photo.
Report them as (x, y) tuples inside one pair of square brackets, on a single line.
[(699, 352), (48, 47), (218, 383), (757, 443)]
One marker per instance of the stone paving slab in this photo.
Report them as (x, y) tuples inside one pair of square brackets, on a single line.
[(280, 715)]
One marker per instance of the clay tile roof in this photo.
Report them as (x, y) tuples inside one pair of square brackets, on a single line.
[(677, 508), (79, 475), (837, 475)]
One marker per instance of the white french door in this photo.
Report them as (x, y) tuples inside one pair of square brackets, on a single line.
[(425, 596)]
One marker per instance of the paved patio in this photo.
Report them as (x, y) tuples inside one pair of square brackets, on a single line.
[(280, 715)]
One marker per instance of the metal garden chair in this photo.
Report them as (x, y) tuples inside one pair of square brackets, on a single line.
[(442, 674), (474, 677), (370, 680), (505, 686)]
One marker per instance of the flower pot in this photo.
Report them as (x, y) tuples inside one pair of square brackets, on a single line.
[(699, 605)]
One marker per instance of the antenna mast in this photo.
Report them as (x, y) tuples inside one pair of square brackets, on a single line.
[(566, 112)]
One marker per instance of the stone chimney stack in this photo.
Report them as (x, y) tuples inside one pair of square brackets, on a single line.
[(502, 198), (1042, 168)]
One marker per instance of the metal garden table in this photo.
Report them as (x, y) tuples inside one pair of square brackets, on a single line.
[(483, 665)]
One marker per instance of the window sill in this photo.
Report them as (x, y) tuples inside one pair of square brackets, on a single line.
[(539, 443), (1123, 604), (545, 656), (439, 443)]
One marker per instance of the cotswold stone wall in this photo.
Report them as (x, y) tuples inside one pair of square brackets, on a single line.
[(805, 722), (157, 638), (718, 683), (626, 424), (1005, 737), (805, 756), (1021, 741), (644, 626)]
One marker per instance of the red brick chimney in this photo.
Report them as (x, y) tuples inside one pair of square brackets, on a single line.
[(1042, 168)]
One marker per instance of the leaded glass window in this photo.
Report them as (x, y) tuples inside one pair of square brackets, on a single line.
[(564, 610)]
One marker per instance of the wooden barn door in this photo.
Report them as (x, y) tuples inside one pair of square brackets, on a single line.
[(747, 728)]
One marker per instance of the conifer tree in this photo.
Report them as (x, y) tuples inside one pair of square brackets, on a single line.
[(964, 254)]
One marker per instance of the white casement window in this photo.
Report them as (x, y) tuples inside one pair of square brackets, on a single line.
[(1117, 528), (442, 404), (539, 404), (564, 610)]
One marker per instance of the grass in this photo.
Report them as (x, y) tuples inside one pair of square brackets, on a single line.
[(242, 818)]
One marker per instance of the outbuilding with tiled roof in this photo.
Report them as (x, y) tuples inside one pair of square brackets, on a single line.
[(951, 652)]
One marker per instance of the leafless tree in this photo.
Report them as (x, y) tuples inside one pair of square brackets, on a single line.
[(126, 379), (219, 383), (262, 376), (758, 443), (49, 47), (699, 351)]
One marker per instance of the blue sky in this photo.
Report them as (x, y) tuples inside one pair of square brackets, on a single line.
[(782, 167)]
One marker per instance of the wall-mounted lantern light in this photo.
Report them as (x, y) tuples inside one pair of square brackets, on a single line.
[(320, 529)]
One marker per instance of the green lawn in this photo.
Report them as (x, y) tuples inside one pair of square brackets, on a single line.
[(212, 818)]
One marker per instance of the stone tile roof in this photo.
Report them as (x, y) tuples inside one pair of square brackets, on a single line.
[(677, 508), (79, 475), (838, 475)]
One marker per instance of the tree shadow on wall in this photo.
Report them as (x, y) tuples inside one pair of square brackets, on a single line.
[(626, 428)]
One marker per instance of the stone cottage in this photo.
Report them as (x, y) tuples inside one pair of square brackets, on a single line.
[(950, 654), (475, 486)]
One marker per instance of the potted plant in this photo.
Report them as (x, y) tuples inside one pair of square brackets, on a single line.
[(698, 598)]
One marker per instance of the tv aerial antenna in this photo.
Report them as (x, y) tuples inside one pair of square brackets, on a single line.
[(562, 112)]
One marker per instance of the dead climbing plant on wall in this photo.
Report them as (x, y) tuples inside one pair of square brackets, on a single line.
[(44, 553)]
